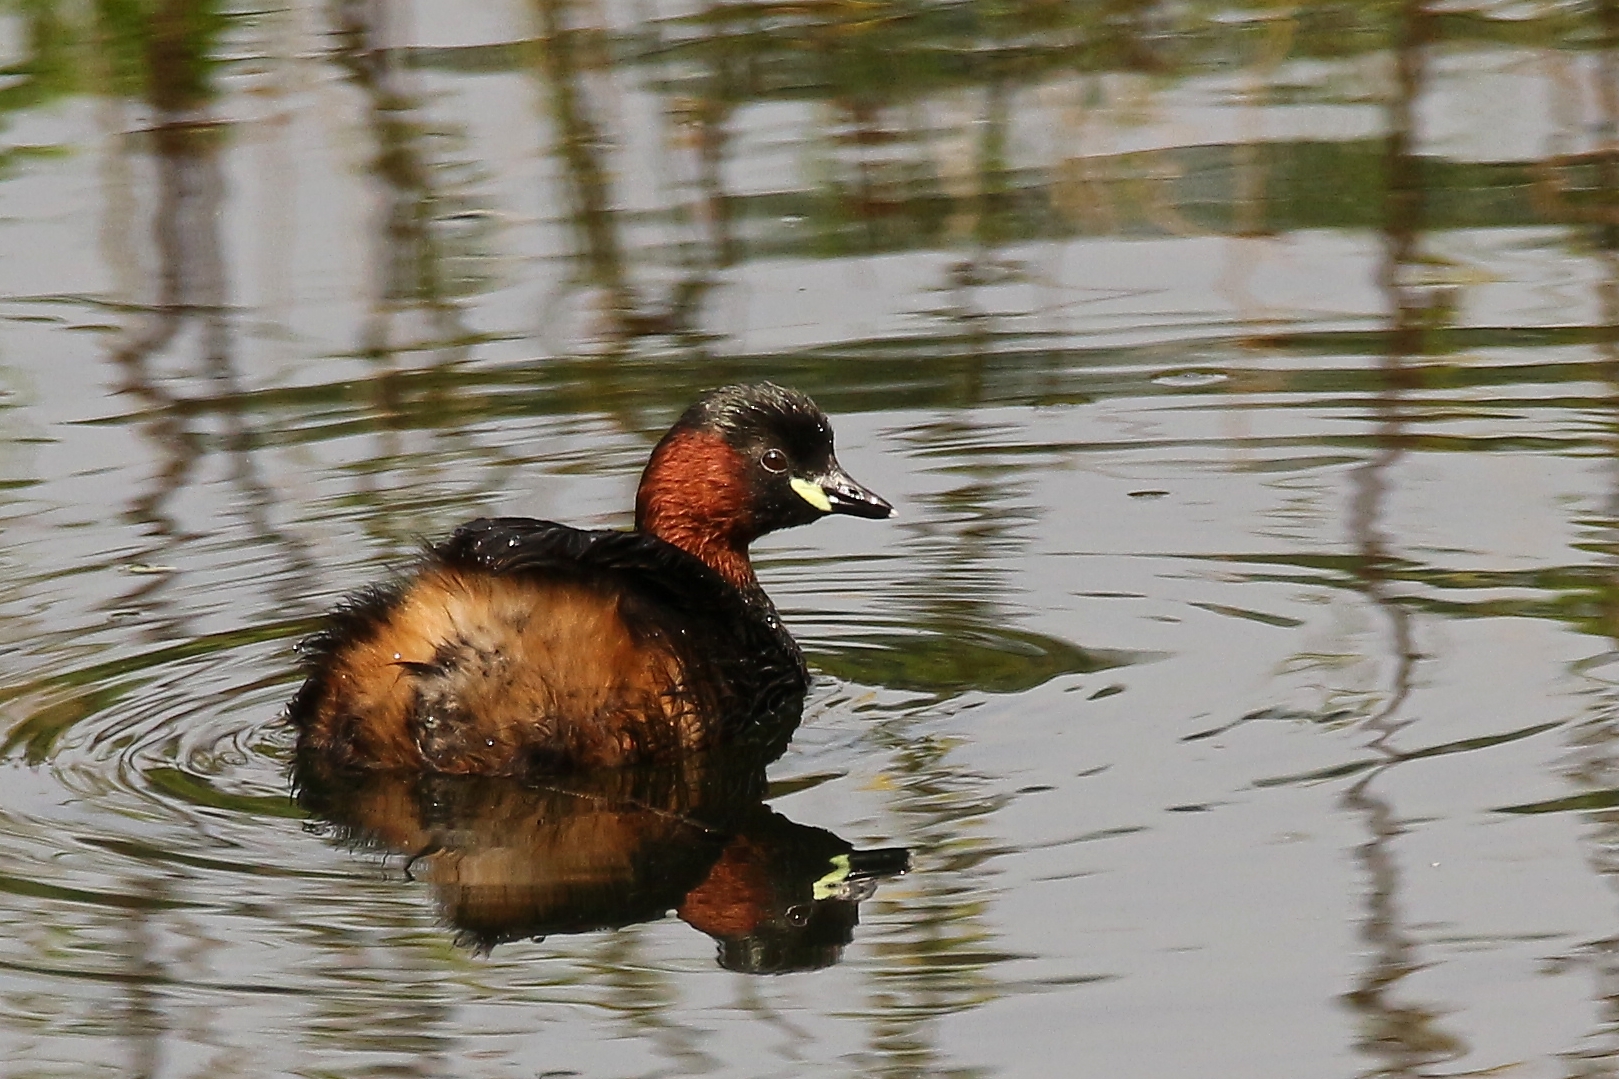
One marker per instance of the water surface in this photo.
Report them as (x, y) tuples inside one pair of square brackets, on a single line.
[(1240, 672)]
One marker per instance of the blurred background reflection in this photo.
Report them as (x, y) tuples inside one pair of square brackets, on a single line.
[(1240, 675)]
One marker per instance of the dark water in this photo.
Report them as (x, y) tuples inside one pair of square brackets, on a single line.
[(1240, 673)]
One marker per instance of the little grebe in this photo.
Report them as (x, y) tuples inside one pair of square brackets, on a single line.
[(524, 646)]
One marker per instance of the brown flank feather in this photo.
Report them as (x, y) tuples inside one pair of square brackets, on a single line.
[(468, 673)]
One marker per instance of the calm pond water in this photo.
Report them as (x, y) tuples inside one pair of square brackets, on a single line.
[(1242, 672)]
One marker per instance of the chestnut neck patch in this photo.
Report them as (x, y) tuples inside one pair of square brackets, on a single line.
[(695, 495)]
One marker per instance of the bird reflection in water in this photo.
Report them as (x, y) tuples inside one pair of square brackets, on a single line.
[(511, 859)]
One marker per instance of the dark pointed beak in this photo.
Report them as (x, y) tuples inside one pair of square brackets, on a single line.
[(851, 498)]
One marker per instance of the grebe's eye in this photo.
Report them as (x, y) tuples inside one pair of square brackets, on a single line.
[(774, 461)]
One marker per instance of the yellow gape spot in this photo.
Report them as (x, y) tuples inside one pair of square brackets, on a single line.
[(812, 493), (832, 884)]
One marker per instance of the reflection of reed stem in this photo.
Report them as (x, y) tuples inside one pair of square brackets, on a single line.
[(1408, 311), (581, 144), (1592, 764), (191, 289), (1400, 1039), (191, 275), (410, 252), (143, 1014)]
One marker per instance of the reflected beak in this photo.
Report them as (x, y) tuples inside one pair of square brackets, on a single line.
[(835, 491)]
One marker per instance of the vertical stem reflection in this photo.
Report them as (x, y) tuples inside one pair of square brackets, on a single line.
[(1399, 1039)]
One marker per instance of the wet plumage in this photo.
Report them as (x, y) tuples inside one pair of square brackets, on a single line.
[(521, 646)]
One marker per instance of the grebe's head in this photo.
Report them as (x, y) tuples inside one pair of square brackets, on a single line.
[(741, 462)]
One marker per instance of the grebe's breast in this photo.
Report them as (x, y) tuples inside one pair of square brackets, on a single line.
[(522, 645)]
